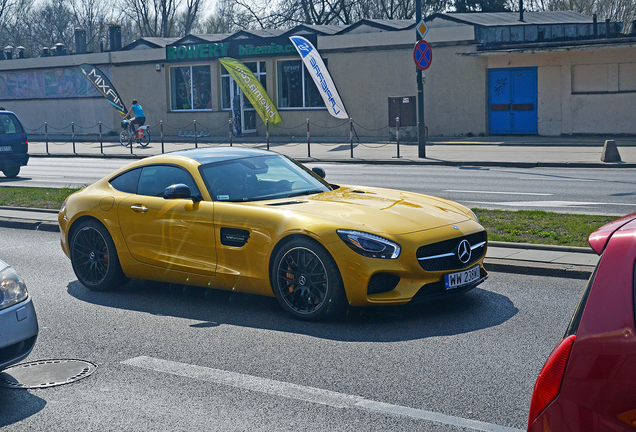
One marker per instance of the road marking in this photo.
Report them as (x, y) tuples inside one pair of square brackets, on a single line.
[(549, 203), (304, 393), (500, 193), (557, 179)]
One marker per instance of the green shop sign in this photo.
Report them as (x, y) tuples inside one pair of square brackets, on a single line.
[(235, 48)]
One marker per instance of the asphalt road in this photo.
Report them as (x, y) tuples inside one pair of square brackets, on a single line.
[(174, 360), (572, 190)]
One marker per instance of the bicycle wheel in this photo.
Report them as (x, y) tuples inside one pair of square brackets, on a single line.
[(145, 140), (124, 137)]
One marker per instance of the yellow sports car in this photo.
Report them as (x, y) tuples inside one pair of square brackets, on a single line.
[(256, 221)]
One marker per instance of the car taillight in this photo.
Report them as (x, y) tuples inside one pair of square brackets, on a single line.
[(548, 384), (27, 146), (63, 206)]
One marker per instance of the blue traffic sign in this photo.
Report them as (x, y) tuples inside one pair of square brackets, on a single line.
[(423, 55)]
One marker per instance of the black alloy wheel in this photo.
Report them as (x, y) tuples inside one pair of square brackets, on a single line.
[(94, 257), (307, 282)]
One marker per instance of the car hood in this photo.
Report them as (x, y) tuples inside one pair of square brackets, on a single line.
[(383, 210)]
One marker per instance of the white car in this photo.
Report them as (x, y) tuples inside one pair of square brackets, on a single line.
[(18, 322)]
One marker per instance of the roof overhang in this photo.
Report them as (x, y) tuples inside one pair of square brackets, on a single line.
[(553, 47)]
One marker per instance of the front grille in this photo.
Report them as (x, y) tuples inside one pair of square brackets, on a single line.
[(442, 256)]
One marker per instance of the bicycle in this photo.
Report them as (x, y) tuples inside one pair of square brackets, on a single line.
[(127, 135)]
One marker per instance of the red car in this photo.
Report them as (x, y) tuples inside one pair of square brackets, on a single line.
[(588, 382)]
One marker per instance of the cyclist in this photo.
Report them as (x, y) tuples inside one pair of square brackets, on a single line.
[(139, 119)]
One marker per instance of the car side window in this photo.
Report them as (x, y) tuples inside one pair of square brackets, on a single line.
[(155, 179), (9, 124), (127, 182)]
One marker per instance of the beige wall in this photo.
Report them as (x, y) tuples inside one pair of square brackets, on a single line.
[(454, 92)]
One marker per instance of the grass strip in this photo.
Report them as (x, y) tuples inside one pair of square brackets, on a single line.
[(521, 226), (540, 227), (45, 198)]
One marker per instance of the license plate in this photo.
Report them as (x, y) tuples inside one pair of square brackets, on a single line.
[(458, 279), (5, 148)]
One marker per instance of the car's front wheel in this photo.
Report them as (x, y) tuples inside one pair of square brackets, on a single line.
[(306, 281), (94, 258)]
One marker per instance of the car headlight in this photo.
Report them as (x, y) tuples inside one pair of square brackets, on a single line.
[(12, 288), (370, 245)]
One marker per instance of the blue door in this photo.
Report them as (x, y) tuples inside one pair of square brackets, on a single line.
[(512, 101)]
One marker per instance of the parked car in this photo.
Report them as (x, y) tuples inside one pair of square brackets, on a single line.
[(14, 146), (588, 382), (256, 221), (18, 322)]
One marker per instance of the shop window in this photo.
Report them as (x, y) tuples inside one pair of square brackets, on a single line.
[(296, 89), (190, 88), (258, 69)]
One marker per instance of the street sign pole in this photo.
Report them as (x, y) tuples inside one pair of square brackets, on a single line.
[(421, 131)]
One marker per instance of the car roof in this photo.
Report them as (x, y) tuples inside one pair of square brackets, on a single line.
[(220, 154)]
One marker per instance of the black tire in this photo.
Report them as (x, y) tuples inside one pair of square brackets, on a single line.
[(11, 171), (307, 282), (94, 257), (124, 137), (145, 140)]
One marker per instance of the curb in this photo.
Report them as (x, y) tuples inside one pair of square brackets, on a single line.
[(538, 268), (392, 161)]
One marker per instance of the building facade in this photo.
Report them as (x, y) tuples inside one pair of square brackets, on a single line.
[(552, 73)]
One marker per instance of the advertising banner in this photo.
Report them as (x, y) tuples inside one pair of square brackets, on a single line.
[(319, 73), (252, 89), (103, 85)]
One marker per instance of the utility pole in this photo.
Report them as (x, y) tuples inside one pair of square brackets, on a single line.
[(421, 130)]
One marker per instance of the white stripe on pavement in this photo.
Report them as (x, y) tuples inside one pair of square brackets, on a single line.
[(304, 393), (500, 193)]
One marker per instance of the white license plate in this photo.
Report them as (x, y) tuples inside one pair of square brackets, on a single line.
[(5, 148), (456, 280)]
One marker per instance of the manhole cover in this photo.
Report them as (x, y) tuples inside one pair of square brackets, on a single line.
[(45, 373)]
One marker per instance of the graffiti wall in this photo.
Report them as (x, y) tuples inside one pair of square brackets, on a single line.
[(46, 84)]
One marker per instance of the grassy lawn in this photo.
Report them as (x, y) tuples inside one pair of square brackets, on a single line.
[(523, 226)]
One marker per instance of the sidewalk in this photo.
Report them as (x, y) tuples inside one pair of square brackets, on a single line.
[(518, 151), (557, 261)]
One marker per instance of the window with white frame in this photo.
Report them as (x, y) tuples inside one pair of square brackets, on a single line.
[(296, 89), (190, 88), (258, 69)]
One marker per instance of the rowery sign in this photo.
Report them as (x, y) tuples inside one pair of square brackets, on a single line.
[(235, 48)]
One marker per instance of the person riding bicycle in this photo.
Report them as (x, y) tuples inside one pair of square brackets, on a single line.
[(139, 119)]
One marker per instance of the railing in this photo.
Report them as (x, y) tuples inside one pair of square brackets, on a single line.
[(196, 132)]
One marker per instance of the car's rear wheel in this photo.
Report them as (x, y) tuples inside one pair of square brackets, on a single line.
[(307, 282), (94, 258), (11, 171)]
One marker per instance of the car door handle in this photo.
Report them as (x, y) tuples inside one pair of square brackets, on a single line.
[(138, 208)]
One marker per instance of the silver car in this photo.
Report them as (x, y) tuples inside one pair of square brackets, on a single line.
[(18, 322)]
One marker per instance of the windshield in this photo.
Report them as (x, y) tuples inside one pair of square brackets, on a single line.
[(259, 178)]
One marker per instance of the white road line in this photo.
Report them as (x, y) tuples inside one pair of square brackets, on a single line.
[(499, 193), (549, 203), (304, 393), (558, 179)]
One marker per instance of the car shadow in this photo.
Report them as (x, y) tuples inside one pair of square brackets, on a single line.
[(475, 310), (18, 405)]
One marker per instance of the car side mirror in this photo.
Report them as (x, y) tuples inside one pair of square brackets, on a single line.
[(321, 172), (179, 191)]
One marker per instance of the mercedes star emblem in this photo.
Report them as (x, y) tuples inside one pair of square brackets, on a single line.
[(463, 251)]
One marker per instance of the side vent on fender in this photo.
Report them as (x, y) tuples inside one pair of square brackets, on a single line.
[(234, 237)]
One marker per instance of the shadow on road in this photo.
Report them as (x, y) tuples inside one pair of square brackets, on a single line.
[(473, 311), (17, 405)]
